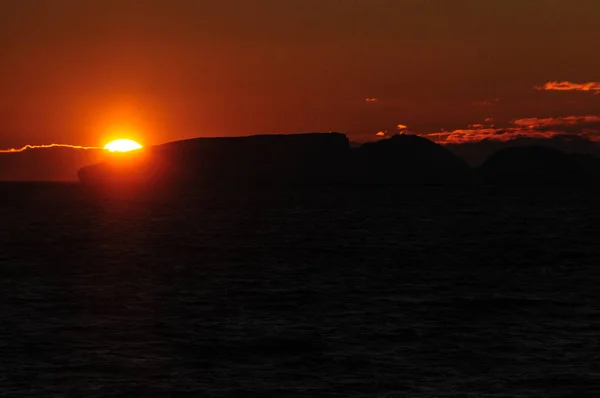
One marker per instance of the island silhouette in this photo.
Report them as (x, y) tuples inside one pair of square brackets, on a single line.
[(328, 158), (279, 160)]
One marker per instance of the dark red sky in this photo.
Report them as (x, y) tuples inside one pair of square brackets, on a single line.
[(171, 69)]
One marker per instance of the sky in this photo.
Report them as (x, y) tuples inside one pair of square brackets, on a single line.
[(84, 72)]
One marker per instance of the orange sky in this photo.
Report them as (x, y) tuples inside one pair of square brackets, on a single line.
[(162, 70)]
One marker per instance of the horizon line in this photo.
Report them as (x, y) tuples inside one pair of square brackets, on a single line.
[(28, 146)]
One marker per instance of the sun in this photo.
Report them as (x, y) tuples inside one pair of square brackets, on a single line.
[(122, 145)]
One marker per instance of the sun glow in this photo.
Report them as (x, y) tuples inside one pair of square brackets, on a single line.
[(122, 145)]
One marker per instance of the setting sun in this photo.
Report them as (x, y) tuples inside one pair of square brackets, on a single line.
[(123, 145)]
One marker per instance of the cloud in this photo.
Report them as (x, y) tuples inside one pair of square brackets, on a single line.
[(488, 120), (461, 136), (371, 99), (381, 133), (402, 127), (568, 124), (569, 86), (582, 126), (26, 147)]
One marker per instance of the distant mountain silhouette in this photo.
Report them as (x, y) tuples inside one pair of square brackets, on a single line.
[(46, 164), (408, 159), (533, 165), (475, 153)]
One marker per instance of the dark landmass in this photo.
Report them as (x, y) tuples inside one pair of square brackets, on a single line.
[(407, 159), (535, 165), (254, 160), (475, 153), (588, 162), (316, 158), (46, 164), (282, 160), (278, 159)]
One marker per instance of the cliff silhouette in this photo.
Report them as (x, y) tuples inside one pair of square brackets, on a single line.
[(272, 160)]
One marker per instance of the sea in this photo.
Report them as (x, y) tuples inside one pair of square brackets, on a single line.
[(345, 291)]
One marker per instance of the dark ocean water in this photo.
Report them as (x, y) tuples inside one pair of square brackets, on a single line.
[(338, 292)]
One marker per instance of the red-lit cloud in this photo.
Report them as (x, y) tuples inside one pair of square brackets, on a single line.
[(26, 147), (583, 126), (371, 99), (569, 86), (462, 136), (384, 133), (550, 122)]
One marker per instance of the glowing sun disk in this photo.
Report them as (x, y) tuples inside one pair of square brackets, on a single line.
[(122, 145)]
